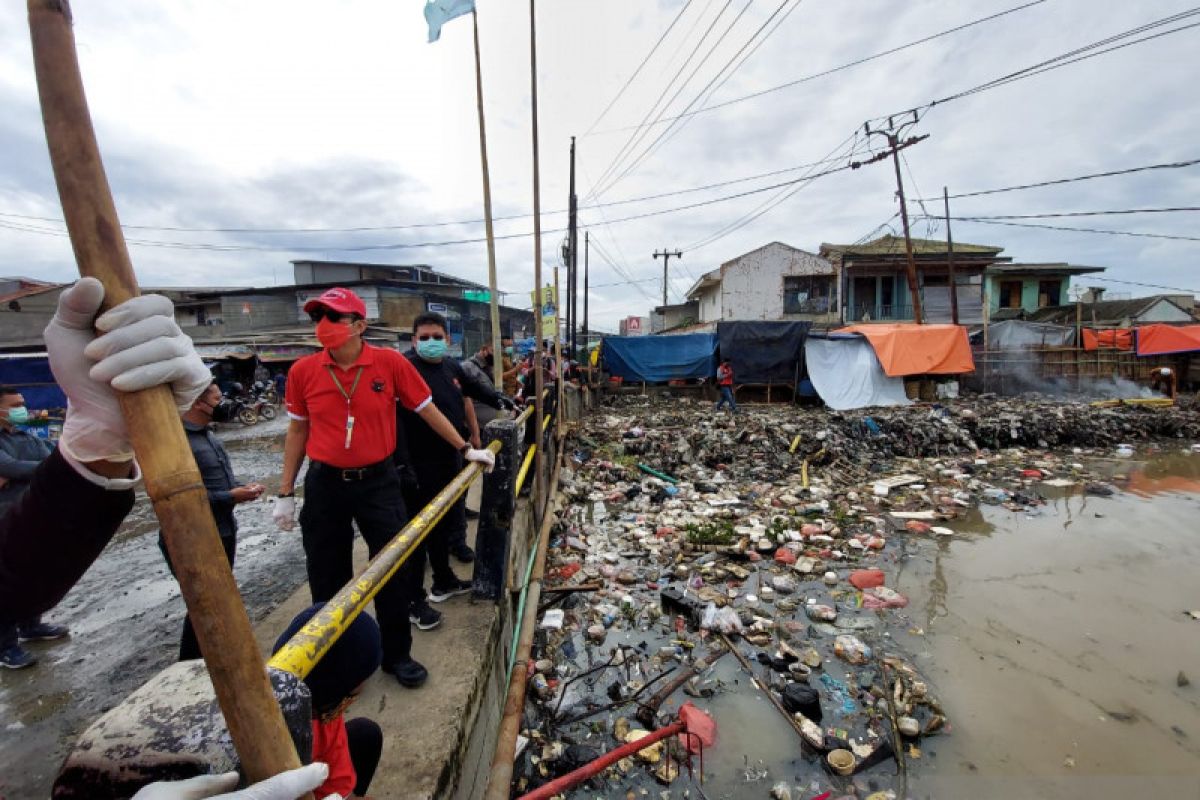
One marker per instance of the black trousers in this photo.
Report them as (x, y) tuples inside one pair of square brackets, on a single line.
[(376, 505), (432, 477), (189, 648), (365, 741)]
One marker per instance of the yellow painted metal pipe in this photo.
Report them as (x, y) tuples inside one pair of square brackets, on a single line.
[(795, 444), (520, 481), (546, 423), (311, 642)]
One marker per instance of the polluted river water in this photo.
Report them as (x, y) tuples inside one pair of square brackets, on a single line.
[(1055, 638)]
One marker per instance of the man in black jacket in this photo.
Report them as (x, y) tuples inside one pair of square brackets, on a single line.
[(224, 492), (20, 454), (433, 462)]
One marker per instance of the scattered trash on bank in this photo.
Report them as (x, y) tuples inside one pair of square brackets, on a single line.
[(773, 535)]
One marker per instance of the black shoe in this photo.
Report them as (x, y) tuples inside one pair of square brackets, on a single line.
[(463, 553), (16, 657), (41, 632), (440, 594), (472, 514), (408, 673), (425, 617)]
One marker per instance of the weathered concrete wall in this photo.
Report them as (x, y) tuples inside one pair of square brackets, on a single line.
[(752, 285), (710, 305)]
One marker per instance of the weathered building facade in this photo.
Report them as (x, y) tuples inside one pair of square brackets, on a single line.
[(774, 282)]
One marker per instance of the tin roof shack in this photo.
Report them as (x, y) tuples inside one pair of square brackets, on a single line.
[(1029, 286), (669, 319), (776, 282), (1170, 309), (874, 282)]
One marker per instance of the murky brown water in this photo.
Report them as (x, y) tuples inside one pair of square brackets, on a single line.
[(1055, 641)]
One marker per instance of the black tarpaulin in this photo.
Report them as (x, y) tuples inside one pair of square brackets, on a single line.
[(764, 352)]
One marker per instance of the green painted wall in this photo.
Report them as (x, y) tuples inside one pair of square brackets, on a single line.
[(1029, 290)]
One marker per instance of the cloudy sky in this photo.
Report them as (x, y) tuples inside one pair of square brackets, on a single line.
[(239, 136)]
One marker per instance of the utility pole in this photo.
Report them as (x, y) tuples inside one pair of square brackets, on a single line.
[(666, 257), (950, 259), (573, 260), (895, 145), (586, 342)]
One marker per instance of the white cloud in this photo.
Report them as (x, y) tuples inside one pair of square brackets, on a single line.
[(311, 114)]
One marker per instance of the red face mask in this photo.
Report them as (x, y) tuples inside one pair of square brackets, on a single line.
[(333, 335)]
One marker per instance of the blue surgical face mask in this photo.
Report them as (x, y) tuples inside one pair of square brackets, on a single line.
[(18, 415), (431, 349)]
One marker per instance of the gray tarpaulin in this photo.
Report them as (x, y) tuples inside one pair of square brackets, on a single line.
[(1013, 334), (847, 374)]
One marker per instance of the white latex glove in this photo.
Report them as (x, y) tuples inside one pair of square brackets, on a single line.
[(284, 786), (284, 513), (143, 347), (484, 457)]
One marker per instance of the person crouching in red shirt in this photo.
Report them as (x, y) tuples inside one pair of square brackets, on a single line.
[(350, 748), (342, 406)]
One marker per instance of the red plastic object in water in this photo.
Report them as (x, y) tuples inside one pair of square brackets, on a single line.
[(785, 555), (701, 728), (866, 578)]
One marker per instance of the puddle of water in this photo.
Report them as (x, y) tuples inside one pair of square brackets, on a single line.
[(1055, 639)]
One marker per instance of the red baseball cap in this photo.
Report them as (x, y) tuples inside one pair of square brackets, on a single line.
[(339, 299)]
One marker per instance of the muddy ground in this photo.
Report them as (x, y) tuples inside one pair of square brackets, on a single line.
[(125, 617)]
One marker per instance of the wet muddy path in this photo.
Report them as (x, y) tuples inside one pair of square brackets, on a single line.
[(125, 617)]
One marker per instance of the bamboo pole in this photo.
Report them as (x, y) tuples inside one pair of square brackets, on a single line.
[(171, 477), (494, 298), (539, 481), (558, 384)]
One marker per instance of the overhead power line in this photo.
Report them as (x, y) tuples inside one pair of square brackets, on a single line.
[(1109, 44), (980, 217), (831, 71), (1060, 181), (640, 66), (1138, 234)]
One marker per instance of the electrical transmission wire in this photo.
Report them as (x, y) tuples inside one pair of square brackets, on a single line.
[(831, 71), (1138, 234), (980, 217), (634, 136), (1060, 181), (1100, 47), (756, 39), (640, 66)]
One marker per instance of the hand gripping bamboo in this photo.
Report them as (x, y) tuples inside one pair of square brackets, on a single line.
[(172, 479)]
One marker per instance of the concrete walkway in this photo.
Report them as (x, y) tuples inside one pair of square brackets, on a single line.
[(424, 729)]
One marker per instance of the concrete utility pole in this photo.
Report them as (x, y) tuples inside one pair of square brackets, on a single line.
[(586, 246), (895, 145), (573, 259), (666, 257)]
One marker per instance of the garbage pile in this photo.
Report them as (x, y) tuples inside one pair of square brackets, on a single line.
[(766, 542)]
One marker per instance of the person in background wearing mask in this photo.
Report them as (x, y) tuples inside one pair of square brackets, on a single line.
[(342, 403), (224, 492), (510, 367), (434, 462), (479, 369), (20, 455)]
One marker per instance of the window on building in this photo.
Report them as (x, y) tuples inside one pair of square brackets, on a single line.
[(1010, 294), (1049, 293), (807, 294)]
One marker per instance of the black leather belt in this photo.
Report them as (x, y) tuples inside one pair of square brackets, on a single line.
[(352, 473)]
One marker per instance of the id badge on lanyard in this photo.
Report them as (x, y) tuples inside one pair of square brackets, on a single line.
[(348, 395)]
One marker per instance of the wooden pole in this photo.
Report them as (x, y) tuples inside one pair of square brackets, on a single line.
[(558, 384), (538, 479), (494, 301), (171, 478), (914, 288), (950, 260)]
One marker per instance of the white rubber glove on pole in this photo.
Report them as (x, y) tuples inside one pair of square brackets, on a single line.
[(284, 513), (484, 457), (284, 786), (141, 347)]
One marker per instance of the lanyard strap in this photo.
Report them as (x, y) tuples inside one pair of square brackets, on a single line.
[(340, 388)]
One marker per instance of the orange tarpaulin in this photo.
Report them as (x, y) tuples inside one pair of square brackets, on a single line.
[(910, 349), (1156, 340), (1111, 339)]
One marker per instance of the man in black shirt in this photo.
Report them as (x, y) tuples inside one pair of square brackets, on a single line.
[(224, 492), (433, 462)]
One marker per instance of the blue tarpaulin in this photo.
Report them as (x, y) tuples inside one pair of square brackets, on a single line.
[(31, 376), (658, 359)]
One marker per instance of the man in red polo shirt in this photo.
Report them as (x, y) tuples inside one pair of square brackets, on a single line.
[(342, 406)]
